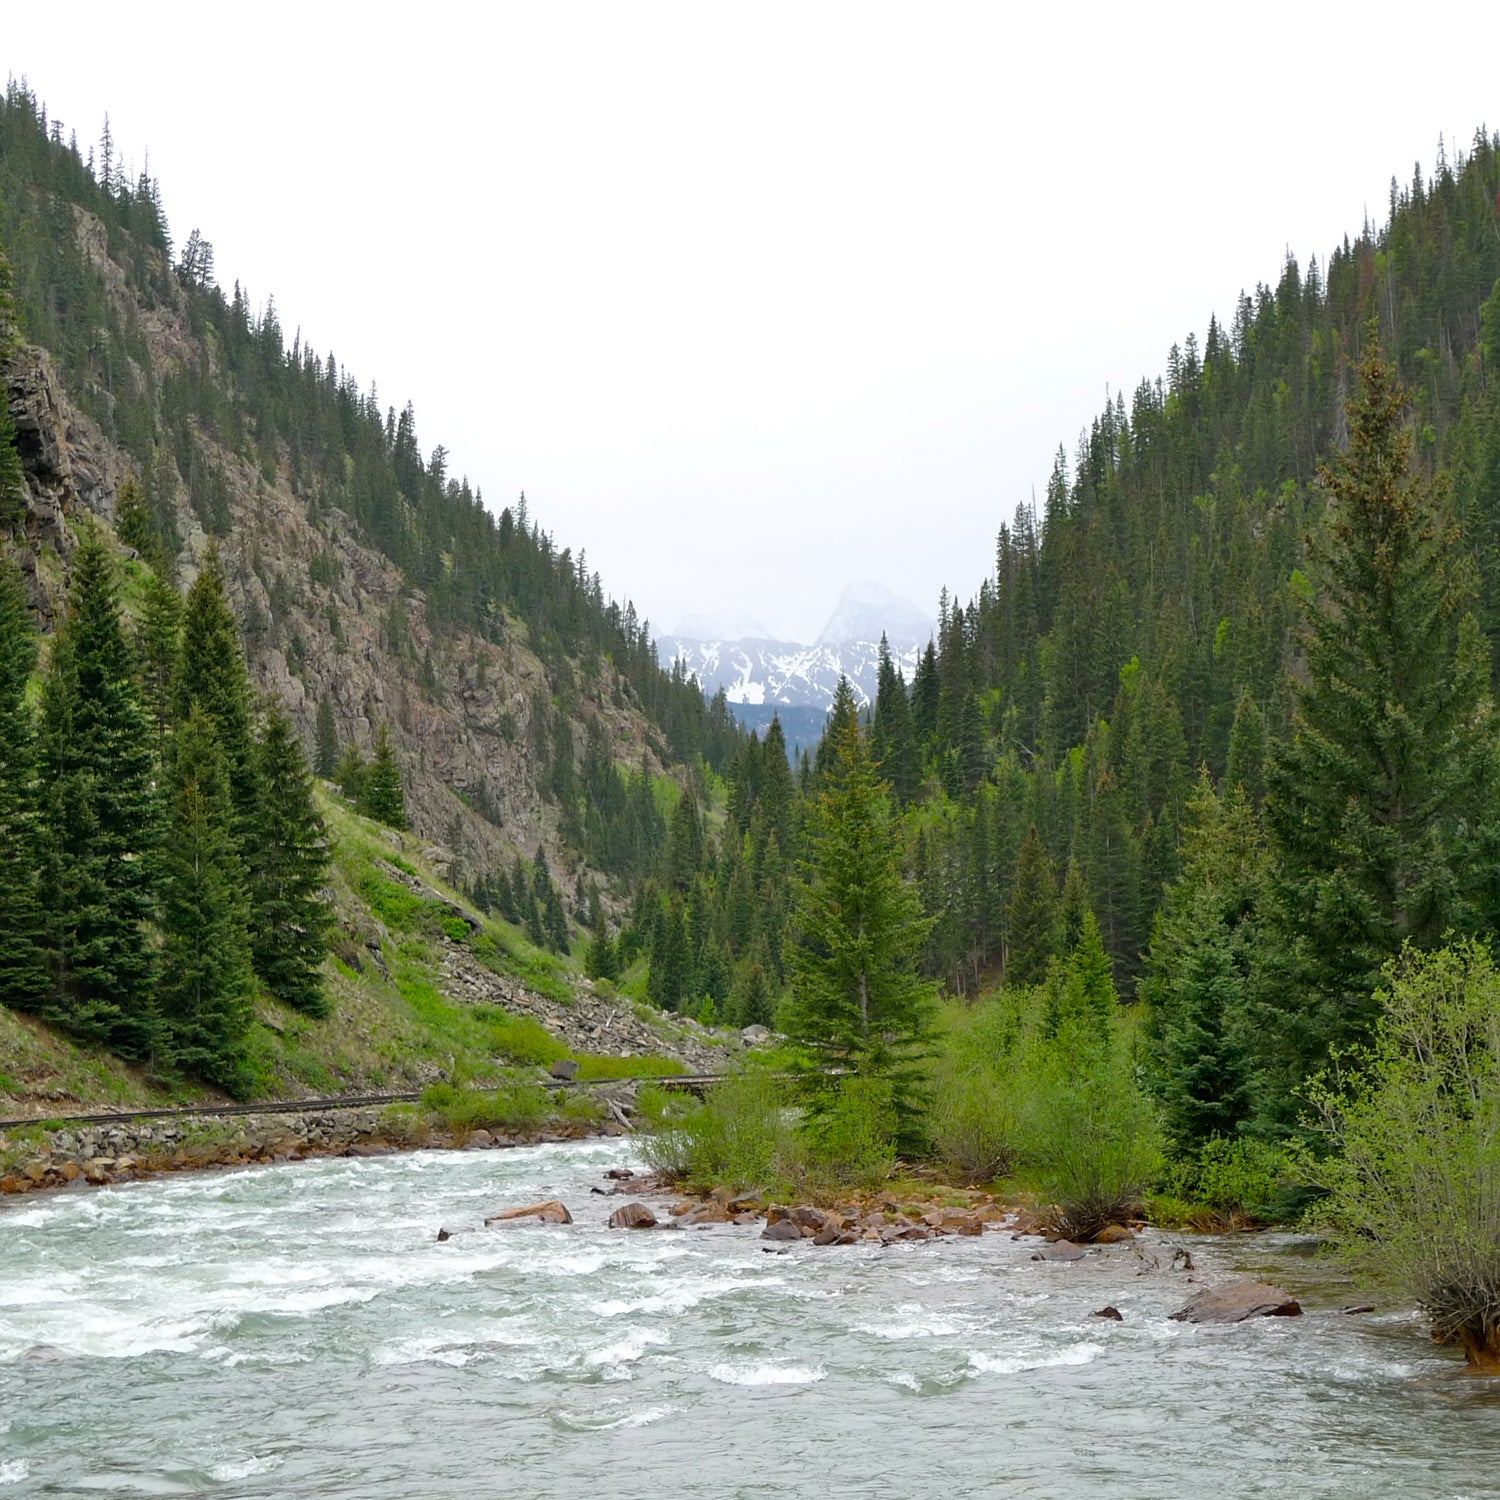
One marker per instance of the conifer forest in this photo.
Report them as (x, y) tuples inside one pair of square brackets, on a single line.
[(1189, 811)]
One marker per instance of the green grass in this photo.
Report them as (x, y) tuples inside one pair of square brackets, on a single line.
[(651, 1065)]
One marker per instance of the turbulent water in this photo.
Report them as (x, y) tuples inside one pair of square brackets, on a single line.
[(296, 1331)]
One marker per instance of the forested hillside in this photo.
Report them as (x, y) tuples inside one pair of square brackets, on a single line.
[(1072, 743), (518, 695)]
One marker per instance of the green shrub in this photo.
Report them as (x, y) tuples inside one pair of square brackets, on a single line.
[(521, 1039), (519, 1105), (1413, 1179), (852, 1141), (1085, 1124), (1237, 1180), (740, 1136), (974, 1123)]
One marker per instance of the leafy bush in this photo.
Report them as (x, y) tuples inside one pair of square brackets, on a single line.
[(740, 1136), (1086, 1124), (851, 1142), (519, 1105), (974, 1125), (1414, 1186), (522, 1039), (1232, 1181)]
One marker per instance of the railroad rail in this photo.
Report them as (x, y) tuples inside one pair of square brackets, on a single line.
[(691, 1082)]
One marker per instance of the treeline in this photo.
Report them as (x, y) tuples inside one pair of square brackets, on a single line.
[(160, 855), (1144, 624), (291, 411)]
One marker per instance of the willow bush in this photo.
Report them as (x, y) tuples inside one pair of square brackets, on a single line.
[(1414, 1119)]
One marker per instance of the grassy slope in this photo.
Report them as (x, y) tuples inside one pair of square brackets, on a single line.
[(391, 1030)]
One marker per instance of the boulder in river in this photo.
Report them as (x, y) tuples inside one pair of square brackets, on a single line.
[(1113, 1234), (632, 1216), (703, 1213), (782, 1229), (619, 1174), (1112, 1313), (1060, 1250), (445, 1234), (1238, 1300), (550, 1212)]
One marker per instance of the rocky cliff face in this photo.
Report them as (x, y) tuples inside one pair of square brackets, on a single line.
[(468, 715)]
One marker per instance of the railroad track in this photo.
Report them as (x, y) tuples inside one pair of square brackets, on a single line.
[(692, 1082)]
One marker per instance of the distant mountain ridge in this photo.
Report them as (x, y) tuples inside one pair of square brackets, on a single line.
[(761, 672)]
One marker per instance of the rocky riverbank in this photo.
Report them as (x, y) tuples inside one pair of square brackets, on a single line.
[(34, 1159)]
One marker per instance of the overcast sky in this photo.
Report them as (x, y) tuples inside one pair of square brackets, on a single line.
[(755, 300)]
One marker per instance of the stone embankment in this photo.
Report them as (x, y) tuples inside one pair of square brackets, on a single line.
[(95, 1155)]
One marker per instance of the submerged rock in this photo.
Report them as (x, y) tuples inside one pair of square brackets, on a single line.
[(1237, 1301), (632, 1216), (1060, 1250), (1114, 1234), (1112, 1313), (550, 1212)]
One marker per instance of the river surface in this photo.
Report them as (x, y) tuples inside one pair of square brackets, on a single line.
[(296, 1331)]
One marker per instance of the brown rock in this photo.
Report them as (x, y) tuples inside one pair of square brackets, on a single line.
[(747, 1203), (10, 1184), (1113, 1234), (70, 1171), (704, 1213), (550, 1212), (445, 1234), (782, 1229), (810, 1218), (1112, 1313), (1238, 1300), (619, 1174), (632, 1216), (1060, 1250), (1363, 1307)]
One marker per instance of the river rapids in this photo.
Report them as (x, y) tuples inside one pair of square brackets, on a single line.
[(297, 1331)]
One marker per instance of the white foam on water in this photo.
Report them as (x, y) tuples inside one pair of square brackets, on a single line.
[(905, 1379), (1014, 1364), (14, 1470), (767, 1374), (244, 1468), (627, 1350)]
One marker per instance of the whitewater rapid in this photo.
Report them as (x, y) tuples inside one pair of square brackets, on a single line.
[(298, 1331)]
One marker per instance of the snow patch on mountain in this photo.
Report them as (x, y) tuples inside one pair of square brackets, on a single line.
[(757, 670)]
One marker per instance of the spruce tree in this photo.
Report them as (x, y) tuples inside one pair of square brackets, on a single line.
[(212, 675), (1032, 919), (326, 754), (1208, 1040), (382, 797), (858, 1004), (23, 974), (1382, 802), (207, 982), (1247, 750), (101, 819), (288, 865), (158, 645)]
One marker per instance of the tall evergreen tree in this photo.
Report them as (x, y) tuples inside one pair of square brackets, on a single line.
[(102, 819), (23, 974), (1382, 801), (288, 865), (858, 1004), (158, 644), (212, 675), (1032, 918), (207, 981), (326, 754), (382, 796)]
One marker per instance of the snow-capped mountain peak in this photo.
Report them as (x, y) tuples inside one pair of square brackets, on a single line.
[(758, 672)]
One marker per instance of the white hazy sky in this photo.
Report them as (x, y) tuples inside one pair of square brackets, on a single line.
[(754, 300)]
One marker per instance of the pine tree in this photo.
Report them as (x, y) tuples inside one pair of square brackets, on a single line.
[(685, 843), (382, 797), (101, 819), (1246, 765), (212, 675), (858, 1003), (207, 982), (158, 645), (1032, 918), (288, 865), (1382, 802), (1207, 1041), (326, 754), (23, 974)]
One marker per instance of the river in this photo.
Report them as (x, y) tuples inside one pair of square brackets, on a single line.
[(297, 1331)]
